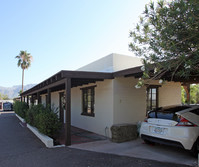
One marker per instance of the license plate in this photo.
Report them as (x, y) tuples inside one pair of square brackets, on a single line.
[(158, 130)]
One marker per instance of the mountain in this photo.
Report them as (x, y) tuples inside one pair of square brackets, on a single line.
[(14, 91)]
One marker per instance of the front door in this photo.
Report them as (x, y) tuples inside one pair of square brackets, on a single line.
[(62, 102)]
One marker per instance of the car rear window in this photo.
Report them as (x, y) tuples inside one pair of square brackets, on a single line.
[(196, 111), (166, 113)]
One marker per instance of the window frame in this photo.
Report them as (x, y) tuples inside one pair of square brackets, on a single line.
[(149, 107), (85, 105)]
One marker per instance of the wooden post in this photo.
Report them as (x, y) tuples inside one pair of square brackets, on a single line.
[(24, 99), (38, 98), (28, 100), (49, 97), (68, 112), (32, 100)]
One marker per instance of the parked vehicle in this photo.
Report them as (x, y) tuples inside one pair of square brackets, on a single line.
[(7, 106), (174, 125)]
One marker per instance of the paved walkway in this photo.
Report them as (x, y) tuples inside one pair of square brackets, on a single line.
[(20, 148), (138, 148), (79, 136)]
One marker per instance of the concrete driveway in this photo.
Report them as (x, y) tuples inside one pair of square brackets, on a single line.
[(139, 149), (20, 148)]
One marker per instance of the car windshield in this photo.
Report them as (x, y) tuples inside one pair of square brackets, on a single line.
[(167, 113)]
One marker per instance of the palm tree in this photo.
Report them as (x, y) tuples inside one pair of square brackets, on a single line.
[(24, 61)]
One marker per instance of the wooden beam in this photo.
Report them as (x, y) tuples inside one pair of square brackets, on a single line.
[(87, 75), (68, 112), (49, 97), (32, 91), (126, 72), (38, 98), (32, 100), (28, 101)]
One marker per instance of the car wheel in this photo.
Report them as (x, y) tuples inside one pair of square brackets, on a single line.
[(195, 148)]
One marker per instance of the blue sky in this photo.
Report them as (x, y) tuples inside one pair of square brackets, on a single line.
[(62, 34)]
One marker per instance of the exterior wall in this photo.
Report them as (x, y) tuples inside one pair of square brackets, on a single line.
[(117, 101), (43, 99), (111, 63), (103, 119), (122, 62), (170, 94), (129, 102), (55, 101)]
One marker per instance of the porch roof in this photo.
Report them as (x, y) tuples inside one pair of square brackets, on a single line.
[(137, 73), (78, 78)]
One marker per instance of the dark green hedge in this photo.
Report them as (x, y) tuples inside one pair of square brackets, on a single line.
[(20, 108), (43, 118)]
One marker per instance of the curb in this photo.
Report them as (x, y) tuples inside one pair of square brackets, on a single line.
[(21, 119), (45, 139)]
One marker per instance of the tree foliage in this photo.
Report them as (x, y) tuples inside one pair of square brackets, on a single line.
[(167, 36), (3, 97), (194, 94), (24, 61)]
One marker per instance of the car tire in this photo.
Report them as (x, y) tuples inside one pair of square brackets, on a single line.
[(195, 148)]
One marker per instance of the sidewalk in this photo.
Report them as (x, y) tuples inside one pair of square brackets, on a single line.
[(139, 149)]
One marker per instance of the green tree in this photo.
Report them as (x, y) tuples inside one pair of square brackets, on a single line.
[(194, 94), (24, 61), (183, 95), (20, 92), (168, 30), (3, 97)]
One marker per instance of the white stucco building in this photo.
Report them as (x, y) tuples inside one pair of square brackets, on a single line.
[(103, 93)]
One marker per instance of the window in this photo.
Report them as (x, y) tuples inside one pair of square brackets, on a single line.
[(88, 95), (152, 97), (196, 111)]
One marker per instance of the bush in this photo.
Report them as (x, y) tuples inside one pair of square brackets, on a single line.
[(20, 108), (48, 123), (32, 113), (44, 119)]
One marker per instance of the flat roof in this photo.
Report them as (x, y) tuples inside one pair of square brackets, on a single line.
[(79, 78)]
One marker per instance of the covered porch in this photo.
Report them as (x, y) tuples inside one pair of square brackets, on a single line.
[(63, 82)]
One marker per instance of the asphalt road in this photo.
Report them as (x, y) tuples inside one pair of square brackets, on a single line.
[(20, 148)]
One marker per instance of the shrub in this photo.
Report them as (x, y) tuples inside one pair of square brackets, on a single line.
[(20, 108), (32, 113), (44, 119), (48, 123)]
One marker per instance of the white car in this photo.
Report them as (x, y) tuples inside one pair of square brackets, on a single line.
[(175, 125)]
